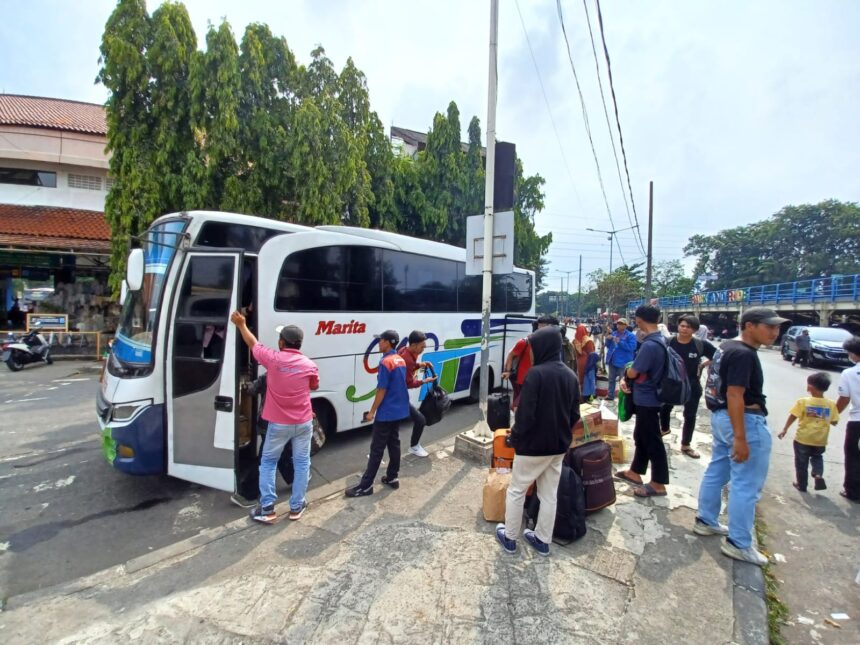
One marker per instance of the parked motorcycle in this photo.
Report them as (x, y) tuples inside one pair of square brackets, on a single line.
[(29, 348)]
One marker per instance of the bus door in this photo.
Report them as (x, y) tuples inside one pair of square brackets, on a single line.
[(202, 386)]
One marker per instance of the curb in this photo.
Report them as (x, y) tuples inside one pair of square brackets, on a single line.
[(748, 604)]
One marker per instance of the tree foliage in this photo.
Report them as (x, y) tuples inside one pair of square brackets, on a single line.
[(668, 279), (244, 127), (797, 242)]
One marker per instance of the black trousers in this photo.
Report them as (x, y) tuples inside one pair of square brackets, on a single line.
[(418, 423), (691, 409), (852, 460), (386, 434), (803, 455), (649, 445), (803, 356)]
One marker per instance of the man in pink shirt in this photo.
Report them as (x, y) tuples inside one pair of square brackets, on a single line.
[(291, 376)]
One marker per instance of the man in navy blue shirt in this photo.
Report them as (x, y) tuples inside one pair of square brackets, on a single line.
[(390, 406), (645, 375)]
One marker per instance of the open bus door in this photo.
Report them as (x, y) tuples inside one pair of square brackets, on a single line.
[(201, 369)]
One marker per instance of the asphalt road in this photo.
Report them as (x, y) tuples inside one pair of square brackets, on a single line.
[(816, 534), (65, 513)]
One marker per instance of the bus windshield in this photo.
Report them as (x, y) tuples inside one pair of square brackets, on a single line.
[(132, 349)]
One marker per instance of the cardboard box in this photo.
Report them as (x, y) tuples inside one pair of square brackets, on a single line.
[(609, 423), (618, 447), (589, 426)]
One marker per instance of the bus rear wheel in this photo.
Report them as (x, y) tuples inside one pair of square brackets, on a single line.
[(475, 387), (324, 421)]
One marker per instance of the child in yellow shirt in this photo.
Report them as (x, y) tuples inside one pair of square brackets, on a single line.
[(814, 415)]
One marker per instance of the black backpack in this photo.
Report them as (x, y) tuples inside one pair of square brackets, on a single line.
[(714, 398), (674, 387)]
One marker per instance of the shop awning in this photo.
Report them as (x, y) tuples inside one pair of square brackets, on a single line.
[(52, 228)]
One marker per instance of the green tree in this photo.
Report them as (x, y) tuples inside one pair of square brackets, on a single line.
[(529, 248), (614, 290), (797, 242), (668, 279), (134, 199)]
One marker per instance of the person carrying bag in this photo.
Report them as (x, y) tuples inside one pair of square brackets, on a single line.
[(436, 400)]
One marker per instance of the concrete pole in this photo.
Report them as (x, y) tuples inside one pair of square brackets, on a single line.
[(482, 429), (648, 292), (579, 291)]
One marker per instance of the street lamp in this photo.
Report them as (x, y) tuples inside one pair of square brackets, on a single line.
[(611, 235)]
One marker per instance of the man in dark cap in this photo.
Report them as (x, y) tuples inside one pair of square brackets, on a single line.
[(290, 378), (742, 441), (390, 406)]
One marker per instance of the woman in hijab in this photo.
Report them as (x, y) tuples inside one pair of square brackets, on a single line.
[(584, 346)]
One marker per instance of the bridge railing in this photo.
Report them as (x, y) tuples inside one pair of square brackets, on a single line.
[(831, 289)]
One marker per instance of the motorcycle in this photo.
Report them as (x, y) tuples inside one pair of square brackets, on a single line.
[(29, 348)]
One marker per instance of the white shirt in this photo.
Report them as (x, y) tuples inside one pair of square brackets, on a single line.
[(849, 385), (702, 332)]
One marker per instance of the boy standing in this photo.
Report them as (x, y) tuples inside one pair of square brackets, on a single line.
[(390, 406), (849, 392), (814, 415)]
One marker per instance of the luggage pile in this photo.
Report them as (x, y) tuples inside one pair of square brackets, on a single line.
[(585, 486)]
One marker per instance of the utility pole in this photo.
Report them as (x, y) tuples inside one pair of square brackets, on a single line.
[(579, 291), (611, 234), (648, 292), (482, 429)]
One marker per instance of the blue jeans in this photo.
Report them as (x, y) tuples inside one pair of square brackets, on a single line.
[(614, 374), (277, 437), (747, 478)]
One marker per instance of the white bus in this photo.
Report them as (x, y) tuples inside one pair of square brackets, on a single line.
[(173, 399)]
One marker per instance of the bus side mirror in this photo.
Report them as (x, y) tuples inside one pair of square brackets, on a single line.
[(134, 270)]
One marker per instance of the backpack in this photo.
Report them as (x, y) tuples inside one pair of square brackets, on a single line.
[(714, 385), (674, 387)]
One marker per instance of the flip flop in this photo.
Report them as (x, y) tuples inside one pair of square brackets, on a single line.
[(692, 454), (650, 491), (623, 476)]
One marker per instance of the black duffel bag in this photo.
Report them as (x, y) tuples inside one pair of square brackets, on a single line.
[(436, 401)]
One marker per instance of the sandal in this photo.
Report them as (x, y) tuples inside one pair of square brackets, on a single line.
[(623, 476), (649, 491), (692, 454)]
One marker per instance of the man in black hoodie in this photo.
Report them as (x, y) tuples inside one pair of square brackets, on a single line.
[(548, 410)]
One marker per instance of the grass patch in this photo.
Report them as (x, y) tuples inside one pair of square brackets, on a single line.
[(777, 611)]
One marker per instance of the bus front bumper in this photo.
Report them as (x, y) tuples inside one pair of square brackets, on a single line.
[(136, 447)]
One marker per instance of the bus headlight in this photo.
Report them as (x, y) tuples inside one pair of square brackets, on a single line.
[(127, 411)]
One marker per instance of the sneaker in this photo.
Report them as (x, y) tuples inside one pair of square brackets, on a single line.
[(357, 491), (749, 554), (391, 483), (297, 515), (820, 484), (703, 528), (541, 547), (264, 514), (244, 502), (507, 544), (418, 451)]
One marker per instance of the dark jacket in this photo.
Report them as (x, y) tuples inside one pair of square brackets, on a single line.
[(549, 402)]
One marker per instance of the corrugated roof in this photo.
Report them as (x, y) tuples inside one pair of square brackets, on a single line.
[(53, 227), (55, 114)]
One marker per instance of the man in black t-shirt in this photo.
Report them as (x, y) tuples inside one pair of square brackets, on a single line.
[(692, 350), (742, 441)]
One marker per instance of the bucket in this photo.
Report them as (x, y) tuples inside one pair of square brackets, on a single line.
[(602, 386)]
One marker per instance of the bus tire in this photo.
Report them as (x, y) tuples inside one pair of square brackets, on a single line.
[(324, 424), (475, 387)]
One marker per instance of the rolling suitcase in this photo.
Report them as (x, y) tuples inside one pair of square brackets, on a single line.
[(499, 410), (593, 463), (569, 510)]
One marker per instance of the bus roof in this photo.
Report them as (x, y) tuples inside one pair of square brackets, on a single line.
[(239, 218)]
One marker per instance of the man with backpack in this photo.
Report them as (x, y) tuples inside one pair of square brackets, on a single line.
[(742, 441), (646, 375), (522, 354), (547, 411), (691, 349)]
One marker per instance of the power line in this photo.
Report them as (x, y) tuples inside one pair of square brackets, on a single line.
[(548, 108), (585, 119), (617, 118), (608, 124)]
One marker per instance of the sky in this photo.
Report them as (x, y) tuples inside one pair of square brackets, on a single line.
[(733, 109)]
